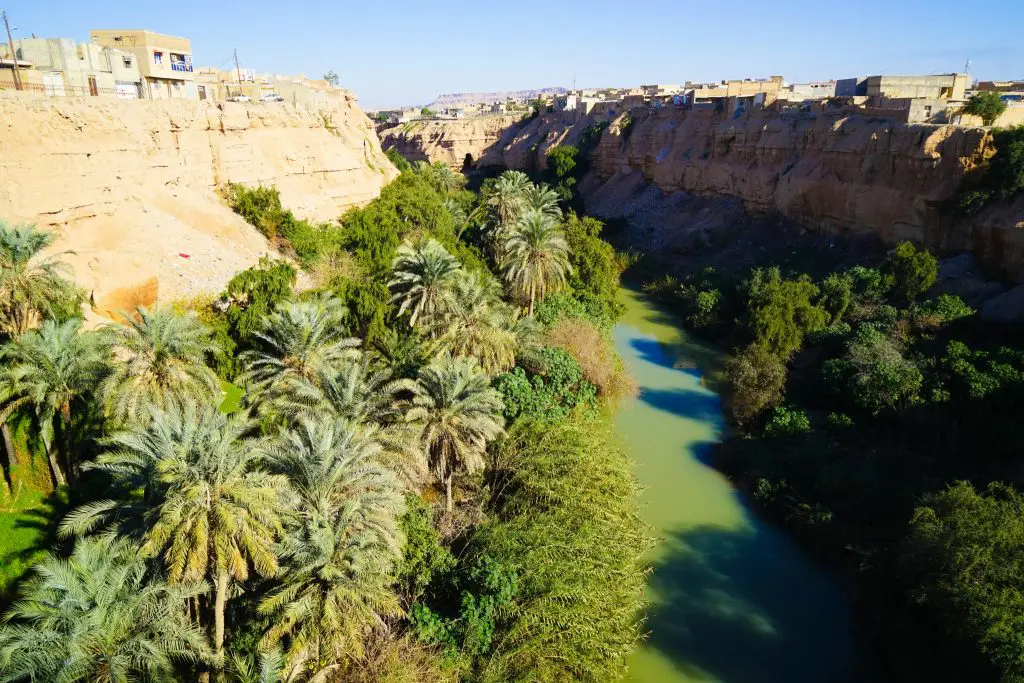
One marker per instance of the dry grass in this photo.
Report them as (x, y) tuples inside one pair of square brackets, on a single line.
[(390, 658), (595, 355)]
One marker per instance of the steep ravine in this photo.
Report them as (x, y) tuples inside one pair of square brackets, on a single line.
[(132, 188), (833, 173)]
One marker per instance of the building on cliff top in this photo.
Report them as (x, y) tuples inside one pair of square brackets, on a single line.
[(59, 66), (165, 62)]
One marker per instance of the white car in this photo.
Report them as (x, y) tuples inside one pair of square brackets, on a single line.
[(271, 97), (239, 98)]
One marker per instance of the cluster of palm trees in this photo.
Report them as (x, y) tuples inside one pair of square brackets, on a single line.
[(300, 492), (527, 240)]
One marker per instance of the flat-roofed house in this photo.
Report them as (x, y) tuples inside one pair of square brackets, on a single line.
[(164, 62)]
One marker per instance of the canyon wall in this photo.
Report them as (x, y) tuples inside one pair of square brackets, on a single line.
[(133, 188), (447, 140), (834, 173)]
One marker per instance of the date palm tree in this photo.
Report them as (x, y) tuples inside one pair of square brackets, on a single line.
[(341, 544), (301, 340), (508, 196), (49, 370), (422, 277), (535, 257), (446, 179), (457, 413), (31, 287), (99, 617), (543, 199), (160, 358), (208, 507), (479, 326)]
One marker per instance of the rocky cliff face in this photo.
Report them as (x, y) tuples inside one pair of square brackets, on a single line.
[(833, 174), (449, 140), (132, 188)]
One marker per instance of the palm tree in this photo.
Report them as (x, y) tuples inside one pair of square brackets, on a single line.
[(479, 326), (508, 196), (300, 340), (535, 258), (49, 370), (422, 277), (341, 545), (458, 413), (446, 179), (458, 214), (543, 199), (160, 356), (99, 616), (31, 287), (208, 508)]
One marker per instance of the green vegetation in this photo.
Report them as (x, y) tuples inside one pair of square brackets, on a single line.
[(879, 425), (1000, 178), (400, 474), (989, 106)]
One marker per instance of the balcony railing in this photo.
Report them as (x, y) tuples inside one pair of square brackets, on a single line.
[(181, 66)]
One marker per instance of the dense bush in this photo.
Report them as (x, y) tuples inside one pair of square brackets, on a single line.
[(551, 388), (757, 378), (782, 311), (786, 421), (987, 105), (565, 522), (965, 553), (913, 271)]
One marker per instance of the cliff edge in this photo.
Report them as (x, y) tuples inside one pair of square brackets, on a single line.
[(830, 172), (132, 187)]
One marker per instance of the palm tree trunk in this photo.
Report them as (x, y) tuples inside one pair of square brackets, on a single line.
[(218, 620), (448, 494), (65, 436), (533, 295), (12, 455), (58, 473)]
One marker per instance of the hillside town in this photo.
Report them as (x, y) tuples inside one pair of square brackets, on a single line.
[(142, 64), (906, 99)]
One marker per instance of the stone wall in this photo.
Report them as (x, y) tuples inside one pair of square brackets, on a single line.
[(133, 187)]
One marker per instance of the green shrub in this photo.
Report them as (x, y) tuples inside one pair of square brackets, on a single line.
[(987, 105), (836, 295), (553, 387), (965, 553), (781, 311), (948, 308), (400, 162), (787, 421), (913, 271), (882, 379), (757, 378), (837, 421)]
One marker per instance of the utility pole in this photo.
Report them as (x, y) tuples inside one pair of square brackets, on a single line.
[(14, 53), (238, 72)]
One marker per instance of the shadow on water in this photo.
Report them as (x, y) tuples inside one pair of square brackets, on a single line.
[(727, 608)]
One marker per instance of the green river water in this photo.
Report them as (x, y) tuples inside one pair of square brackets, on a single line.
[(733, 599)]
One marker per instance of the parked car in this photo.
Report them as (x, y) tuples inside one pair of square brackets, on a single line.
[(240, 98), (271, 97)]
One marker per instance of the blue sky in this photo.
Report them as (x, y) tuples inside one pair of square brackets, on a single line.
[(408, 51)]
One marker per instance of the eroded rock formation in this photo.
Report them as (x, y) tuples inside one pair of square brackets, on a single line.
[(132, 187), (832, 173), (447, 140)]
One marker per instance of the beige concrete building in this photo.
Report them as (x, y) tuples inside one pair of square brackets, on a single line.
[(938, 87), (60, 67), (164, 62)]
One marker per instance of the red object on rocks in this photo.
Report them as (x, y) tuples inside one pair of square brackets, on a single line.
[(183, 255)]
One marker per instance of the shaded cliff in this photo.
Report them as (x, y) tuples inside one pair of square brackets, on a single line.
[(132, 188), (831, 173)]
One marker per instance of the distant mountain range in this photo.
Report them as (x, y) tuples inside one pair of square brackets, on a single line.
[(459, 99)]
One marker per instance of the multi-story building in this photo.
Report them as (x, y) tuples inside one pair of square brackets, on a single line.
[(62, 67), (165, 62)]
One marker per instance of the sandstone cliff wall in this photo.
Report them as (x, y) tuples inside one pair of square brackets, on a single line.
[(833, 174), (448, 140), (132, 188)]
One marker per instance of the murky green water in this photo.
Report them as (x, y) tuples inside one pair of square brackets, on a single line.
[(733, 599)]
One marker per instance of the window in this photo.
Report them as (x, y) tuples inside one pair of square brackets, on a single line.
[(127, 60), (158, 57)]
